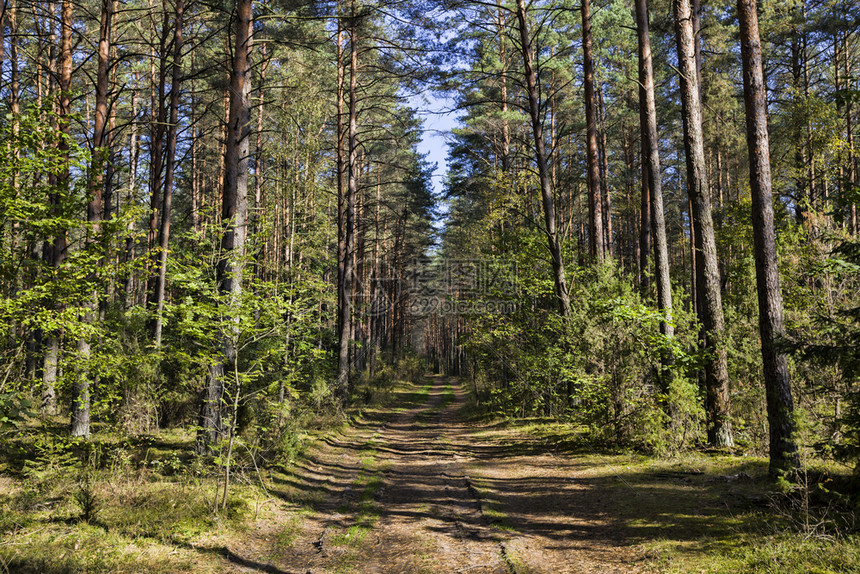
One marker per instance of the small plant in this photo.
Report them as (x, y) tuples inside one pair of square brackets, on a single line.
[(85, 496)]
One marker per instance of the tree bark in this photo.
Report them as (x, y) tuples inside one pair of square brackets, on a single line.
[(707, 268), (169, 169), (133, 153), (595, 211), (503, 84), (780, 405), (342, 383), (80, 421), (341, 184), (849, 135), (604, 178), (551, 231), (651, 166), (645, 201), (55, 250), (234, 215)]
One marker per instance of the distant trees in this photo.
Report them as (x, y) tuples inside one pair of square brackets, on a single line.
[(693, 223), (154, 279), (208, 209)]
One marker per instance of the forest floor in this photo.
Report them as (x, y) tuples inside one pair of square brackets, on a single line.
[(424, 492), (416, 487)]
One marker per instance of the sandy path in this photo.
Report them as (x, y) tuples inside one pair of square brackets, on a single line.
[(446, 500)]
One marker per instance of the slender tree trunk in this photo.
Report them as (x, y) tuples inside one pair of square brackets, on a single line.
[(707, 269), (341, 172), (553, 242), (604, 177), (133, 152), (259, 166), (55, 250), (156, 148), (651, 166), (195, 152), (645, 199), (802, 193), (15, 109), (595, 212), (234, 216), (849, 135), (342, 384), (503, 81), (169, 169), (837, 85), (780, 405), (80, 421)]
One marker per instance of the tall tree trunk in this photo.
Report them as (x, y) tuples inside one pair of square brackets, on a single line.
[(133, 153), (341, 171), (54, 250), (80, 421), (169, 168), (595, 211), (503, 81), (604, 177), (802, 195), (156, 148), (15, 109), (849, 135), (259, 167), (234, 214), (651, 166), (345, 311), (551, 231), (645, 200), (707, 269), (780, 406)]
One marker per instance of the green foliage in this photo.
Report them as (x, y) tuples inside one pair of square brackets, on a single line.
[(603, 368), (835, 346), (14, 410), (86, 497)]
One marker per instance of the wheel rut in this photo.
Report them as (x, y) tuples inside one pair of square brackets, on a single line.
[(425, 492)]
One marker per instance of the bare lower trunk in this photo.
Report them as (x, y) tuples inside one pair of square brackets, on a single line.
[(707, 270), (169, 168), (345, 311), (651, 169), (49, 374), (234, 215), (780, 405), (595, 207)]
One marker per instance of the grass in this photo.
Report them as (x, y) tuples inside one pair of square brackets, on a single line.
[(690, 512), (143, 523), (150, 502), (491, 508), (368, 483), (448, 395)]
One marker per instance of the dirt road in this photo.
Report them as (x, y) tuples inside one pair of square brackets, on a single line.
[(425, 492)]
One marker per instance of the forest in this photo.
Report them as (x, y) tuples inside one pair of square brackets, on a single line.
[(249, 326)]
